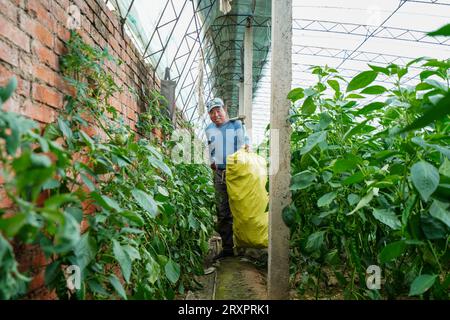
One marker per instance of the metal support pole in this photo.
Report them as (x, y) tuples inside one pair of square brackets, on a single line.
[(280, 155), (248, 77)]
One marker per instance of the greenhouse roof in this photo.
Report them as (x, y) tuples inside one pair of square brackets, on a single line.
[(202, 45)]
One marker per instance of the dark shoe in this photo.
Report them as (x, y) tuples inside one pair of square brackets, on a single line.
[(224, 254)]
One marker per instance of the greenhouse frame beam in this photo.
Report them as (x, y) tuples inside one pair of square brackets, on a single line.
[(123, 20), (241, 20), (381, 32), (429, 2), (190, 46), (362, 56)]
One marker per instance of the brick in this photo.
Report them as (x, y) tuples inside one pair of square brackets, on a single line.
[(36, 30), (8, 54), (39, 10), (13, 104), (47, 95), (9, 9), (45, 55), (85, 9), (59, 15), (14, 34), (38, 281), (25, 66), (63, 32), (63, 3), (5, 202), (47, 75), (60, 48), (38, 112), (23, 86)]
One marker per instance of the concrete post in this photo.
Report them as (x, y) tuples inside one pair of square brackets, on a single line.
[(280, 155), (248, 78), (241, 99)]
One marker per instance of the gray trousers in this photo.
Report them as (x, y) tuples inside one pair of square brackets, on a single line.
[(224, 216)]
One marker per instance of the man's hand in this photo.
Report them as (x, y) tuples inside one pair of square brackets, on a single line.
[(213, 166)]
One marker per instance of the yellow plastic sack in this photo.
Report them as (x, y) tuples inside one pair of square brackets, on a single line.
[(246, 185)]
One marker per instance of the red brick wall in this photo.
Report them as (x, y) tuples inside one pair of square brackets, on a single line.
[(32, 35), (31, 40)]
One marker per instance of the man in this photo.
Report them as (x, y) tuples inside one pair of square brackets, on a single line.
[(225, 137)]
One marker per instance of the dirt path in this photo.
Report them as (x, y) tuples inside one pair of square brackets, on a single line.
[(234, 278), (239, 279)]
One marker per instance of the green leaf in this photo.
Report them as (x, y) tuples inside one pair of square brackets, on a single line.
[(56, 201), (355, 96), (67, 236), (374, 90), (335, 85), (308, 107), (362, 80), (387, 217), (439, 211), (437, 84), (51, 184), (364, 201), (76, 213), (347, 164), (87, 139), (85, 250), (133, 217), (356, 178), (51, 273), (6, 92), (425, 178), (302, 180), (132, 252), (145, 201), (88, 182), (289, 215), (325, 120), (172, 270), (117, 286), (392, 251), (444, 169), (123, 259), (65, 129), (111, 203), (163, 191), (428, 73), (153, 269), (421, 284), (96, 287), (370, 107), (158, 164), (296, 94), (11, 226), (353, 199), (433, 228), (313, 140), (443, 31), (380, 69), (326, 199), (436, 112), (423, 144), (315, 241)]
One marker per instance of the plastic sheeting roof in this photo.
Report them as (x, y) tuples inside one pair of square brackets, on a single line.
[(189, 36)]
